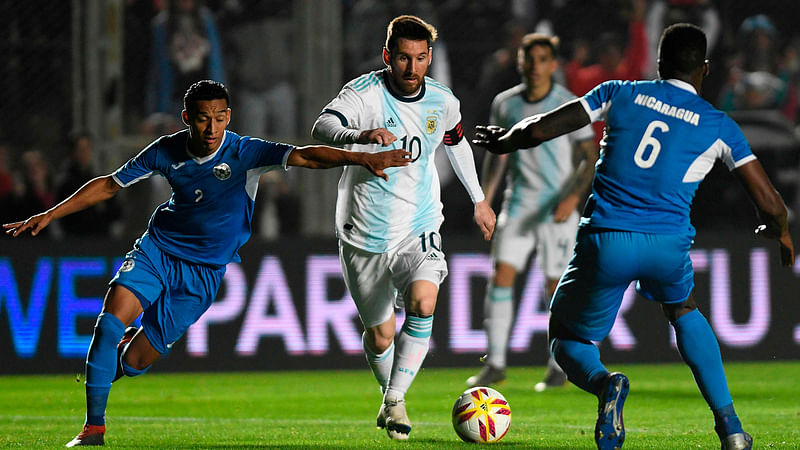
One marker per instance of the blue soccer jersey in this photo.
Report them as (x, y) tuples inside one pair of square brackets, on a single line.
[(207, 218), (660, 141)]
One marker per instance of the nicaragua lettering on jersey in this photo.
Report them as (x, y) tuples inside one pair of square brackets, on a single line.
[(536, 178), (373, 214), (207, 218), (661, 140)]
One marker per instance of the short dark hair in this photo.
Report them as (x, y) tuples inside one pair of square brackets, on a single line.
[(409, 27), (205, 90), (681, 50), (531, 40)]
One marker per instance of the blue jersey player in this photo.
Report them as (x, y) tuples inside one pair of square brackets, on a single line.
[(175, 268), (661, 139)]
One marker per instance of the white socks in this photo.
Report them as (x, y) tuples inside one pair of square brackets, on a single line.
[(499, 315)]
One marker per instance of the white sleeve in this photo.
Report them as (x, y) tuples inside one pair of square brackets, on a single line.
[(338, 123), (463, 164), (329, 129)]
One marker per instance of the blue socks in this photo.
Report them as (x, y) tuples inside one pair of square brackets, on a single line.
[(581, 362), (101, 366), (700, 350)]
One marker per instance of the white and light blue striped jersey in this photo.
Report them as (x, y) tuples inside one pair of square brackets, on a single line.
[(536, 179), (376, 215), (207, 218), (660, 141)]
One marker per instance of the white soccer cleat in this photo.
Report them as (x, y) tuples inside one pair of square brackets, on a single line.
[(397, 424)]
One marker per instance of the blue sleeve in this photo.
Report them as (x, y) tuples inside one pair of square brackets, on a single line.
[(597, 101), (737, 148), (139, 167), (257, 152)]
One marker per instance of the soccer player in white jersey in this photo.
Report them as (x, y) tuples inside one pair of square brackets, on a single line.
[(389, 244), (660, 141), (175, 268), (543, 191)]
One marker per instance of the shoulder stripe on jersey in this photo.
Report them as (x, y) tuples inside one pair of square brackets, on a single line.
[(434, 83), (341, 116), (134, 181)]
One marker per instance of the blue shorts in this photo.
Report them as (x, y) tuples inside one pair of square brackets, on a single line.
[(605, 262), (174, 293)]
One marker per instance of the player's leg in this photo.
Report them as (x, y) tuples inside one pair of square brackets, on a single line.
[(370, 285), (411, 348), (555, 244), (583, 310), (498, 317), (120, 308), (699, 348), (513, 243)]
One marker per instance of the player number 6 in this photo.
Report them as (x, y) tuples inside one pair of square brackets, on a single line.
[(649, 141)]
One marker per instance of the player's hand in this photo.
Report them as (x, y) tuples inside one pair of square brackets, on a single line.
[(380, 136), (488, 137), (35, 224), (485, 218), (785, 243), (376, 162), (565, 207)]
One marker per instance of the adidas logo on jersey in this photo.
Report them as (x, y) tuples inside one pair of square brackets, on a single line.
[(390, 122), (432, 257)]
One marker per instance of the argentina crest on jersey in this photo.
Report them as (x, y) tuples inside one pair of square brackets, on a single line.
[(430, 122), (222, 171)]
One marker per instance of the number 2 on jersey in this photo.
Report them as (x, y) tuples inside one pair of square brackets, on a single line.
[(649, 141)]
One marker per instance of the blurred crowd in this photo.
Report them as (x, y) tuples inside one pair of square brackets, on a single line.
[(754, 50)]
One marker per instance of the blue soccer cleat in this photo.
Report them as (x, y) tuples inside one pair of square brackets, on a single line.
[(737, 441), (609, 431)]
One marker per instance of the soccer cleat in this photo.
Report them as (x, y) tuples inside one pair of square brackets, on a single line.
[(737, 441), (609, 431), (554, 377), (487, 376), (397, 424), (380, 422), (91, 435)]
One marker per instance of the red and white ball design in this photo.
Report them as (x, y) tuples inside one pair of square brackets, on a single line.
[(481, 415)]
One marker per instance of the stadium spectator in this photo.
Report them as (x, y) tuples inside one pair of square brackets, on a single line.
[(753, 76), (175, 268), (389, 242), (77, 170), (544, 189), (37, 192), (636, 223), (185, 47)]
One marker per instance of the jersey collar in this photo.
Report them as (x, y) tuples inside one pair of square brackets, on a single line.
[(682, 85), (399, 96), (204, 159)]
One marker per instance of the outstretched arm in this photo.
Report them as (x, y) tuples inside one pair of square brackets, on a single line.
[(329, 129), (532, 131), (323, 157), (770, 206), (91, 193)]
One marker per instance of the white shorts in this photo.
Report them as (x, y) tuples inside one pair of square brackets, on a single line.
[(378, 281), (515, 239)]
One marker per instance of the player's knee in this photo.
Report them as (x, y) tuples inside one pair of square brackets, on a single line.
[(673, 311), (377, 341)]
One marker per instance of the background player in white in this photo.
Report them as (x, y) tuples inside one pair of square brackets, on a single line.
[(543, 191), (389, 243), (660, 141), (175, 268)]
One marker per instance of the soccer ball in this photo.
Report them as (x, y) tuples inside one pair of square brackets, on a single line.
[(481, 415)]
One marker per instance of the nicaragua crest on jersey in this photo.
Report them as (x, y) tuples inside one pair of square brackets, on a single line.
[(222, 171)]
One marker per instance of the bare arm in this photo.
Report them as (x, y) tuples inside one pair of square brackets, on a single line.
[(532, 131), (770, 206), (492, 173), (323, 157), (94, 191), (585, 153)]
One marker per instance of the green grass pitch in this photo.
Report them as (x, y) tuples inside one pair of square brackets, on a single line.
[(336, 409)]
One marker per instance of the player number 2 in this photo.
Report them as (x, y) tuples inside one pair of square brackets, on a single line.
[(199, 195), (646, 162)]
